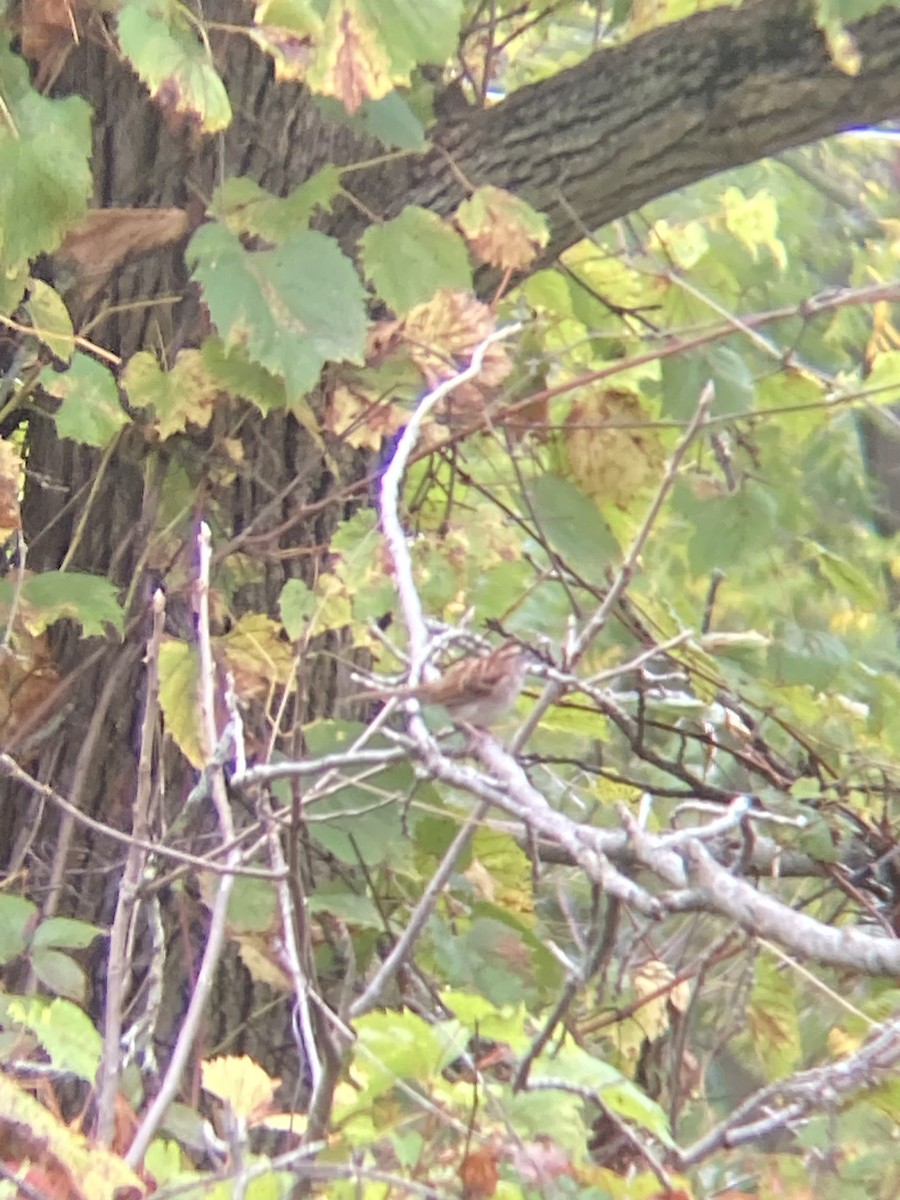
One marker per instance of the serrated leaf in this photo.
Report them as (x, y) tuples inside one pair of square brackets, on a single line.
[(257, 654), (45, 175), (352, 61), (414, 256), (91, 411), (727, 528), (503, 229), (392, 1045), (50, 320), (348, 907), (393, 122), (184, 394), (90, 600), (772, 1019), (845, 577), (64, 933), (292, 309), (59, 973), (244, 207), (167, 54), (179, 697), (17, 916), (65, 1032)]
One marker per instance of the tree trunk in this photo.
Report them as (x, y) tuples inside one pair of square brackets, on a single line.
[(588, 145)]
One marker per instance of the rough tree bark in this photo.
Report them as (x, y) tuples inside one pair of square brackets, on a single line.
[(589, 145)]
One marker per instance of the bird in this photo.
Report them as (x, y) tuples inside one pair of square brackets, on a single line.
[(477, 690)]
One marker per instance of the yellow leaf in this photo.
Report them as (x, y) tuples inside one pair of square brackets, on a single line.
[(258, 655), (240, 1083)]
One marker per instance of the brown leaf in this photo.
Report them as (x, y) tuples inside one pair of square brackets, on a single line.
[(479, 1175), (539, 1162), (106, 237), (503, 230), (49, 30), (11, 479)]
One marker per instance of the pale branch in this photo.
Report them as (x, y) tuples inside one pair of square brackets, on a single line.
[(759, 914), (117, 961), (215, 937), (290, 955), (781, 1104), (391, 483), (418, 918)]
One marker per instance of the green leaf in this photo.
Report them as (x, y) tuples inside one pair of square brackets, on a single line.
[(414, 256), (244, 207), (292, 309), (235, 373), (88, 599), (495, 955), (846, 578), (252, 906), (91, 411), (365, 824), (184, 394), (807, 656), (17, 917), (347, 906), (402, 1045), (684, 377), (166, 52), (727, 529), (65, 1032), (297, 604), (59, 973), (45, 174), (50, 319), (572, 524), (414, 33), (64, 933), (392, 121)]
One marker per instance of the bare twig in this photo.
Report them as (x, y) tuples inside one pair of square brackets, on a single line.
[(597, 621), (215, 939), (135, 863)]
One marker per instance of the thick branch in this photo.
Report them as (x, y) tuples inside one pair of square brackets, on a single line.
[(595, 142)]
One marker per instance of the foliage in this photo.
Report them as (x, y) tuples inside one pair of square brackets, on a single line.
[(641, 939)]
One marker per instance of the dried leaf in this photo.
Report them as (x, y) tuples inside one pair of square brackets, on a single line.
[(479, 1175), (362, 423), (442, 335), (502, 229), (12, 478), (106, 237), (611, 450)]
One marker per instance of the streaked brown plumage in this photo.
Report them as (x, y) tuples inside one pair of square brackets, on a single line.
[(478, 690)]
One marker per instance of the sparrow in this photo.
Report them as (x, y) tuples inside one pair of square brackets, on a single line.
[(478, 690)]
